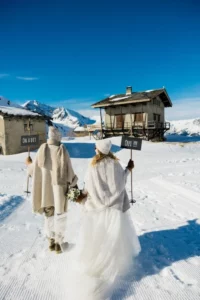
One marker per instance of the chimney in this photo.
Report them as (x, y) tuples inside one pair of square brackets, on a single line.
[(128, 90)]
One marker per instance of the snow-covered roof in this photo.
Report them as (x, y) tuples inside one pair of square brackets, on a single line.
[(119, 98), (12, 109), (134, 97)]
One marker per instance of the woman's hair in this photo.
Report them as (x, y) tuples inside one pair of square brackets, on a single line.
[(100, 156)]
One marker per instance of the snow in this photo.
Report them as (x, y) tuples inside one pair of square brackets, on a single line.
[(166, 186), (185, 127), (119, 98), (12, 108)]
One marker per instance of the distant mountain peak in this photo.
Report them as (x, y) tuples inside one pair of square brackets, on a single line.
[(61, 115)]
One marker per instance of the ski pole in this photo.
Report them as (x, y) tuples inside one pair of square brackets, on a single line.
[(27, 186), (132, 200)]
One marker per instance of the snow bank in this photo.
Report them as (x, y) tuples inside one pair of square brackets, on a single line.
[(185, 127)]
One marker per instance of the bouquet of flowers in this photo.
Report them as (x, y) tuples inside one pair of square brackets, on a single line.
[(73, 194)]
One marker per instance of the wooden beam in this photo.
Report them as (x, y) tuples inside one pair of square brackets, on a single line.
[(131, 122), (113, 125), (110, 119), (122, 119), (101, 123)]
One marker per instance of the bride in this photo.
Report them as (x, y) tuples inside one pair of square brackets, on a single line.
[(107, 242)]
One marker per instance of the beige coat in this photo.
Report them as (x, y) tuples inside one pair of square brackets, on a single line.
[(52, 174)]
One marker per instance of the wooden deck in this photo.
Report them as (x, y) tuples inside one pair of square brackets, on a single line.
[(152, 131)]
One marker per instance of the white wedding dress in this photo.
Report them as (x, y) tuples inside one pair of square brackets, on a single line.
[(107, 240)]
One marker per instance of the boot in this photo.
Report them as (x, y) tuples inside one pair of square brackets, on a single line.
[(52, 244), (58, 248)]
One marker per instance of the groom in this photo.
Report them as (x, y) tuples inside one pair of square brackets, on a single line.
[(52, 174)]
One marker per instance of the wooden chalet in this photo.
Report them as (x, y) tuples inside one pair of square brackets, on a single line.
[(141, 114)]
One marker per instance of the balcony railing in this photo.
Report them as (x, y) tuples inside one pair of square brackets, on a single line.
[(138, 125), (158, 125)]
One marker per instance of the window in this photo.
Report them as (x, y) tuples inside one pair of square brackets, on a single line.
[(119, 121), (156, 117), (139, 117), (156, 102)]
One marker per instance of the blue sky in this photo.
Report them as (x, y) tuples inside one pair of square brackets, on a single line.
[(73, 53)]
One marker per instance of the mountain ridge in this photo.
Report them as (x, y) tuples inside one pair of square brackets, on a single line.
[(60, 115)]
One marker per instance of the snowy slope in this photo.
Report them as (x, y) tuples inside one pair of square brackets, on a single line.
[(60, 115), (185, 127), (166, 216)]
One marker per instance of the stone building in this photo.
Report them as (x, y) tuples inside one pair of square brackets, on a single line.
[(141, 114), (16, 122)]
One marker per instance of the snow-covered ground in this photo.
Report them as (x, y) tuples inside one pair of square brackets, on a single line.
[(166, 216)]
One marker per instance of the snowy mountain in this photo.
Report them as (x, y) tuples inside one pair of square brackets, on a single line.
[(60, 115), (185, 127)]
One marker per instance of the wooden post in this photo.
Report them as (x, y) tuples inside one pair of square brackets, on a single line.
[(29, 129), (122, 119), (132, 200), (113, 125), (29, 160), (101, 124), (110, 120), (27, 186)]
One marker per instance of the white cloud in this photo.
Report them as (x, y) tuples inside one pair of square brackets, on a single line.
[(27, 78), (185, 108), (3, 75)]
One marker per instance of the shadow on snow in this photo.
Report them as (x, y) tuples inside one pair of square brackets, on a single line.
[(182, 138), (84, 150), (161, 249), (7, 208)]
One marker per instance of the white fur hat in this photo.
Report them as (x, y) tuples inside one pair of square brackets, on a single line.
[(54, 134), (104, 146)]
